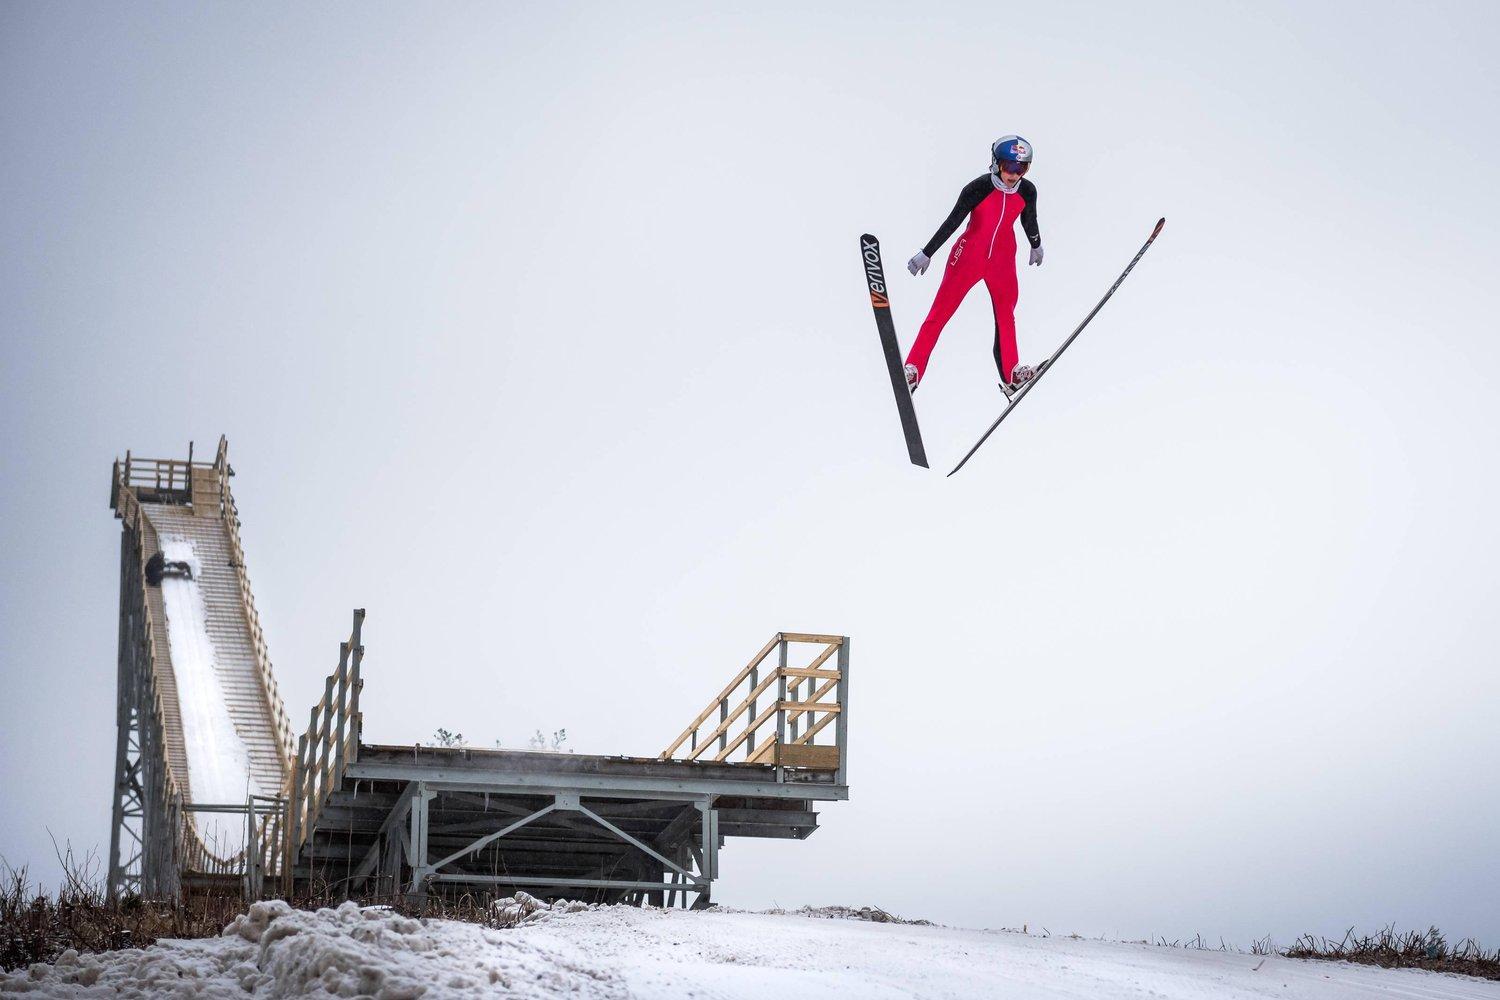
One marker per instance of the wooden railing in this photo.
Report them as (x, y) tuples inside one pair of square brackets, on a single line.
[(330, 743), (280, 719), (774, 713), (158, 475)]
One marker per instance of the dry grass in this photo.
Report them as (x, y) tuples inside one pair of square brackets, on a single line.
[(1392, 949), (1389, 949), (36, 927)]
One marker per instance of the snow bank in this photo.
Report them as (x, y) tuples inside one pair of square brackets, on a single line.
[(524, 908), (275, 951), (583, 952), (218, 763)]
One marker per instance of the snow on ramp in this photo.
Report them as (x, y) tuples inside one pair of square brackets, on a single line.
[(626, 952), (218, 763)]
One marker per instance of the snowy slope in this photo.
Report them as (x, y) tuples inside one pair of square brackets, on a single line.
[(218, 763), (618, 952)]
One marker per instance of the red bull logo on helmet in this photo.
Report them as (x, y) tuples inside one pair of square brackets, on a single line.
[(1012, 147)]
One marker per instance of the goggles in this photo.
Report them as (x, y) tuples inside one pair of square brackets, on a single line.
[(1014, 166)]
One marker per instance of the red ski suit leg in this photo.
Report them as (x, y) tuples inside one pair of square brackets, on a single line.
[(985, 252), (964, 271)]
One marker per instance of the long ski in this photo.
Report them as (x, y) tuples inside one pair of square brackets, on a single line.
[(1047, 365), (880, 299)]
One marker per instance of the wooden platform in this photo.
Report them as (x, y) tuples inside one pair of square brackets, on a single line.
[(558, 810), (409, 820)]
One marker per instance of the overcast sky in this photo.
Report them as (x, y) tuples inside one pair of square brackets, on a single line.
[(540, 331)]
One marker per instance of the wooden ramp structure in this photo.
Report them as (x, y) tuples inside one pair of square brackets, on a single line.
[(374, 820), (159, 841), (332, 815)]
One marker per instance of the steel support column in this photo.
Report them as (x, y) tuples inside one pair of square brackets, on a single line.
[(420, 869)]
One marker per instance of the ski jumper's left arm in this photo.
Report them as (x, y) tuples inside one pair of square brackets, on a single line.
[(1027, 191)]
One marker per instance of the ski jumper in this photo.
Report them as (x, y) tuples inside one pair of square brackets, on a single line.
[(986, 251)]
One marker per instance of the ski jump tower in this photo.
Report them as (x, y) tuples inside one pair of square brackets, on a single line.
[(212, 794), (203, 752)]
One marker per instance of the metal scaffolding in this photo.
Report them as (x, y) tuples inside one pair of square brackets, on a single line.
[(396, 820)]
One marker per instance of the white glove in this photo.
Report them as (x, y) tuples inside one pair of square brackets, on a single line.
[(1036, 255), (918, 264)]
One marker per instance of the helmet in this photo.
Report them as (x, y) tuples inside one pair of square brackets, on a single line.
[(1011, 151)]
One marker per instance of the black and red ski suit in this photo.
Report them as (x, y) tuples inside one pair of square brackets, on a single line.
[(986, 251)]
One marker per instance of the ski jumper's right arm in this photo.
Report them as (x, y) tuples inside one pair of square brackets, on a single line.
[(973, 193)]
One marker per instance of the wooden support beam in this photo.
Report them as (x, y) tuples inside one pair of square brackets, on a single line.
[(831, 675), (798, 707)]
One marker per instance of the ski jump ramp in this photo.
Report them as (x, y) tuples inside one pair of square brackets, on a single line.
[(213, 792), (203, 751)]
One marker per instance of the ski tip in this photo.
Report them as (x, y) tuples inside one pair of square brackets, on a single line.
[(867, 238), (1159, 224)]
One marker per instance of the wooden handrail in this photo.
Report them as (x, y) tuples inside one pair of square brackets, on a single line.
[(787, 704), (229, 511), (734, 714), (331, 742), (728, 689)]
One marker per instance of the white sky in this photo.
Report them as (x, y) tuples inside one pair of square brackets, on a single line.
[(541, 333)]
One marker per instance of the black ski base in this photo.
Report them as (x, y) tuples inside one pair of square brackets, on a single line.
[(869, 248)]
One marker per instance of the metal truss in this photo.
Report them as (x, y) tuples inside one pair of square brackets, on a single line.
[(401, 856), (143, 846)]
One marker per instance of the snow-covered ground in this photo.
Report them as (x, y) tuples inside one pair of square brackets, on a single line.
[(218, 763), (620, 952)]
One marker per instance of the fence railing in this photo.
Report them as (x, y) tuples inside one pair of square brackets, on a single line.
[(330, 743), (775, 713), (158, 475), (231, 515)]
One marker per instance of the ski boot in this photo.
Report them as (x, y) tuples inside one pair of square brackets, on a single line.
[(1020, 375), (912, 377)]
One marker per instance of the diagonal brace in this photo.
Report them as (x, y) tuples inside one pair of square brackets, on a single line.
[(631, 840), (488, 838)]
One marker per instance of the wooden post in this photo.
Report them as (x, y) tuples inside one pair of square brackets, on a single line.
[(326, 732), (342, 718), (310, 777), (356, 721)]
